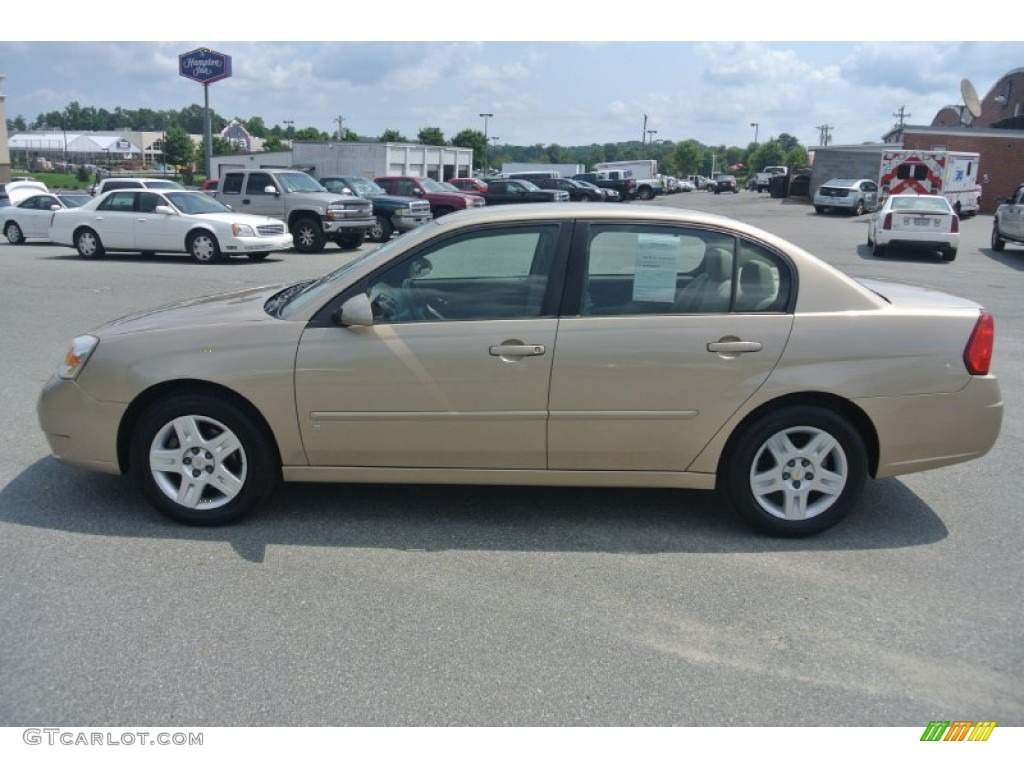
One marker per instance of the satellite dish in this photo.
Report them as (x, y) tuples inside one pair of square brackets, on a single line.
[(970, 95)]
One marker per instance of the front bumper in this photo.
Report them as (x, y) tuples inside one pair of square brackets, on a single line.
[(81, 430), (404, 223), (258, 244), (337, 226)]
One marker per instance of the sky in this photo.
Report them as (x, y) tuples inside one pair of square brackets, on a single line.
[(593, 82)]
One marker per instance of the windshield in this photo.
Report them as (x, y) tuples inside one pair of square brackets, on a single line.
[(529, 185), (73, 201), (297, 181), (195, 203), (163, 185), (435, 186), (364, 187)]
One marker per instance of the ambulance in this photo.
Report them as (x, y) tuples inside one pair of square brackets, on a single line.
[(953, 175)]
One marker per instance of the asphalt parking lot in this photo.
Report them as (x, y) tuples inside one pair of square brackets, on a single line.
[(371, 605)]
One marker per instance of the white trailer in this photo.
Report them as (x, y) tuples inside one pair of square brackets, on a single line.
[(954, 175), (564, 170), (645, 172)]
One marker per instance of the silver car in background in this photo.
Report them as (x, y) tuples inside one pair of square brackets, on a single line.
[(856, 196)]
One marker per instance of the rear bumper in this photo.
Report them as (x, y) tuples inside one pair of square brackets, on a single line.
[(924, 432)]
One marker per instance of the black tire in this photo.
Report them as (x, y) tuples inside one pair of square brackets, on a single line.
[(645, 193), (998, 244), (13, 233), (350, 240), (819, 209), (717, 191), (858, 209), (878, 251), (442, 211), (308, 235), (589, 199), (381, 230), (870, 241), (949, 255), (257, 256), (203, 247), (88, 244), (230, 485), (805, 461)]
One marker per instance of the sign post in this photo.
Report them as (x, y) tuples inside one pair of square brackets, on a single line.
[(205, 66)]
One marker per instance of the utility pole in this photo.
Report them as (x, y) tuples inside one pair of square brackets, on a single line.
[(643, 134), (341, 124), (824, 135), (901, 115)]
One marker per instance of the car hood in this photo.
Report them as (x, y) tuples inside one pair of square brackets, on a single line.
[(19, 190), (907, 296), (400, 199), (240, 306)]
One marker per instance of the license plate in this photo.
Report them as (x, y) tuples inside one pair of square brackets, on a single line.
[(922, 221)]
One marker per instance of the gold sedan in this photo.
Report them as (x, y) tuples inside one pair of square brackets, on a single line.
[(540, 345)]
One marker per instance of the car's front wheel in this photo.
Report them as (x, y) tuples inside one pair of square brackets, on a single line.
[(202, 460), (381, 230), (351, 240), (14, 234), (203, 247), (795, 471), (88, 244), (308, 235), (998, 244)]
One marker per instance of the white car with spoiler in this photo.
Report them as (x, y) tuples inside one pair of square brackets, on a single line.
[(920, 222)]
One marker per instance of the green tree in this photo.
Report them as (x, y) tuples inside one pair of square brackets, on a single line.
[(687, 157), (178, 148), (82, 173), (255, 126), (769, 152), (391, 134), (431, 136), (797, 157), (470, 139), (221, 146), (273, 144)]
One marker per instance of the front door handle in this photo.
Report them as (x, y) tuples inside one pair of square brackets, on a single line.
[(734, 347), (516, 350)]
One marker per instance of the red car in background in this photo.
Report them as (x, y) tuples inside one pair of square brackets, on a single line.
[(469, 184)]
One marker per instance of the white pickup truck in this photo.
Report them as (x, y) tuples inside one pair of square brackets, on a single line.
[(1008, 222), (762, 181)]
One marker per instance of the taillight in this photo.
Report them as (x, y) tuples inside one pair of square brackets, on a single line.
[(956, 224), (887, 224), (978, 352)]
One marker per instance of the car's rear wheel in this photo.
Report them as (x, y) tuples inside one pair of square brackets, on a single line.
[(878, 251), (88, 244), (795, 471), (257, 256), (858, 209), (819, 209), (998, 244), (308, 235), (203, 247), (381, 230), (202, 460), (645, 193), (949, 255), (14, 234)]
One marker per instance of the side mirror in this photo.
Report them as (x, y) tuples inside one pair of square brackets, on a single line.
[(355, 311), (270, 189), (165, 209)]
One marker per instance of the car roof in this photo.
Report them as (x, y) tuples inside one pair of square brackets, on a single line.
[(843, 182)]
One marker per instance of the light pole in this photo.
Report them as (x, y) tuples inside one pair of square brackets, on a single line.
[(650, 136), (289, 132), (486, 116), (755, 127)]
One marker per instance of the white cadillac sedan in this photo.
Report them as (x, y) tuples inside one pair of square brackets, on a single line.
[(151, 221), (921, 222), (29, 214)]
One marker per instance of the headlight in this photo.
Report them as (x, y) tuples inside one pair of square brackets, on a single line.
[(77, 356), (242, 230)]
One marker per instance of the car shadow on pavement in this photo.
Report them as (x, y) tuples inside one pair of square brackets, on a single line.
[(908, 255), (166, 258), (481, 518), (1013, 258)]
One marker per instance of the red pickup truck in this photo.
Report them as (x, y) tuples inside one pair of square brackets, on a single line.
[(441, 199)]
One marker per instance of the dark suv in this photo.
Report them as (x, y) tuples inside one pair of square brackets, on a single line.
[(726, 183), (577, 190), (501, 191)]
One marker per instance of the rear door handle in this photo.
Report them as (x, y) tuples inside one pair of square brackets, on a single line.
[(734, 347), (516, 350)]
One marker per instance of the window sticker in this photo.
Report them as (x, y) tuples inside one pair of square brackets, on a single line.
[(657, 265)]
